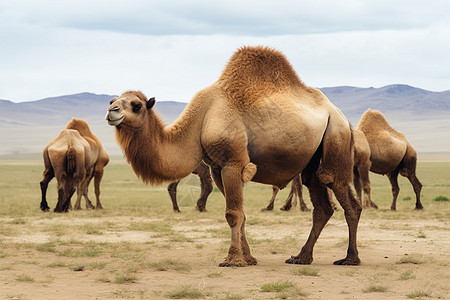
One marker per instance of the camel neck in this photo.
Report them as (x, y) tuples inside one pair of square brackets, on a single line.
[(160, 153)]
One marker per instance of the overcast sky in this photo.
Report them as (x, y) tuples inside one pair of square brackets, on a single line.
[(172, 49)]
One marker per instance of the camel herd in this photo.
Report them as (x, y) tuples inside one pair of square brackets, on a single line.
[(258, 122)]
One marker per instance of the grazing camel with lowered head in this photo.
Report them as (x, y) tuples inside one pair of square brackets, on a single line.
[(75, 156), (257, 122), (390, 153)]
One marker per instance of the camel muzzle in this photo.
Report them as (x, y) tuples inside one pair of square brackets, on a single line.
[(114, 117)]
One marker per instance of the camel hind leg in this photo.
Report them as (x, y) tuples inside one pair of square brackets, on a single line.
[(417, 186), (393, 179), (322, 211), (298, 191), (275, 191), (335, 171), (98, 175), (408, 169)]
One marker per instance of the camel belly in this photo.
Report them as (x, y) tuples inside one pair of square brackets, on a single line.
[(281, 157), (282, 144)]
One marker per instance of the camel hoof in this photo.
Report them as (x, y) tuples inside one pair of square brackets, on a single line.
[(97, 207), (177, 211), (393, 208), (348, 262), (267, 209), (251, 261), (285, 208), (419, 207), (230, 264), (298, 261)]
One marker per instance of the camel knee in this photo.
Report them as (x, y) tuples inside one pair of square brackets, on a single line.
[(234, 218)]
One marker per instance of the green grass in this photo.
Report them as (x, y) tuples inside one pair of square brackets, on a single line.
[(171, 264), (441, 198), (126, 278), (418, 295), (406, 275), (276, 286), (186, 292), (375, 289), (410, 260), (24, 278), (306, 271)]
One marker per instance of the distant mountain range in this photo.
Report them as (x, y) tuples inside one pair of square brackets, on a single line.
[(423, 116)]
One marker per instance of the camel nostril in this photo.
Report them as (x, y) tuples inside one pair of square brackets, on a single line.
[(114, 108)]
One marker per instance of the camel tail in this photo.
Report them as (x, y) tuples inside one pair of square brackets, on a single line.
[(71, 161)]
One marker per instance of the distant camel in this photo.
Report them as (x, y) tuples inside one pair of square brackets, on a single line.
[(257, 122), (75, 156), (391, 153)]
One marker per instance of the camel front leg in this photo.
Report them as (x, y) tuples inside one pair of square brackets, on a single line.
[(239, 253), (172, 189), (98, 175)]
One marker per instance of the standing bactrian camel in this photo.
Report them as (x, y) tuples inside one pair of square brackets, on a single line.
[(258, 122), (391, 153), (75, 156)]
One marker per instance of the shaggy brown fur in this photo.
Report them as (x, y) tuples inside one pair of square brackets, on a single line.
[(75, 156), (391, 153), (268, 71), (258, 122)]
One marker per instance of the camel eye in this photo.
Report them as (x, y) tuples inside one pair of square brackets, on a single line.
[(136, 107)]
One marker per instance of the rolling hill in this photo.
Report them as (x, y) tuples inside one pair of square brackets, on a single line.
[(423, 116)]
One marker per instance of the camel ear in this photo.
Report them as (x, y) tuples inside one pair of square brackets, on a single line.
[(150, 102)]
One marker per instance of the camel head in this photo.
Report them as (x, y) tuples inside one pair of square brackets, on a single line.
[(129, 110)]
